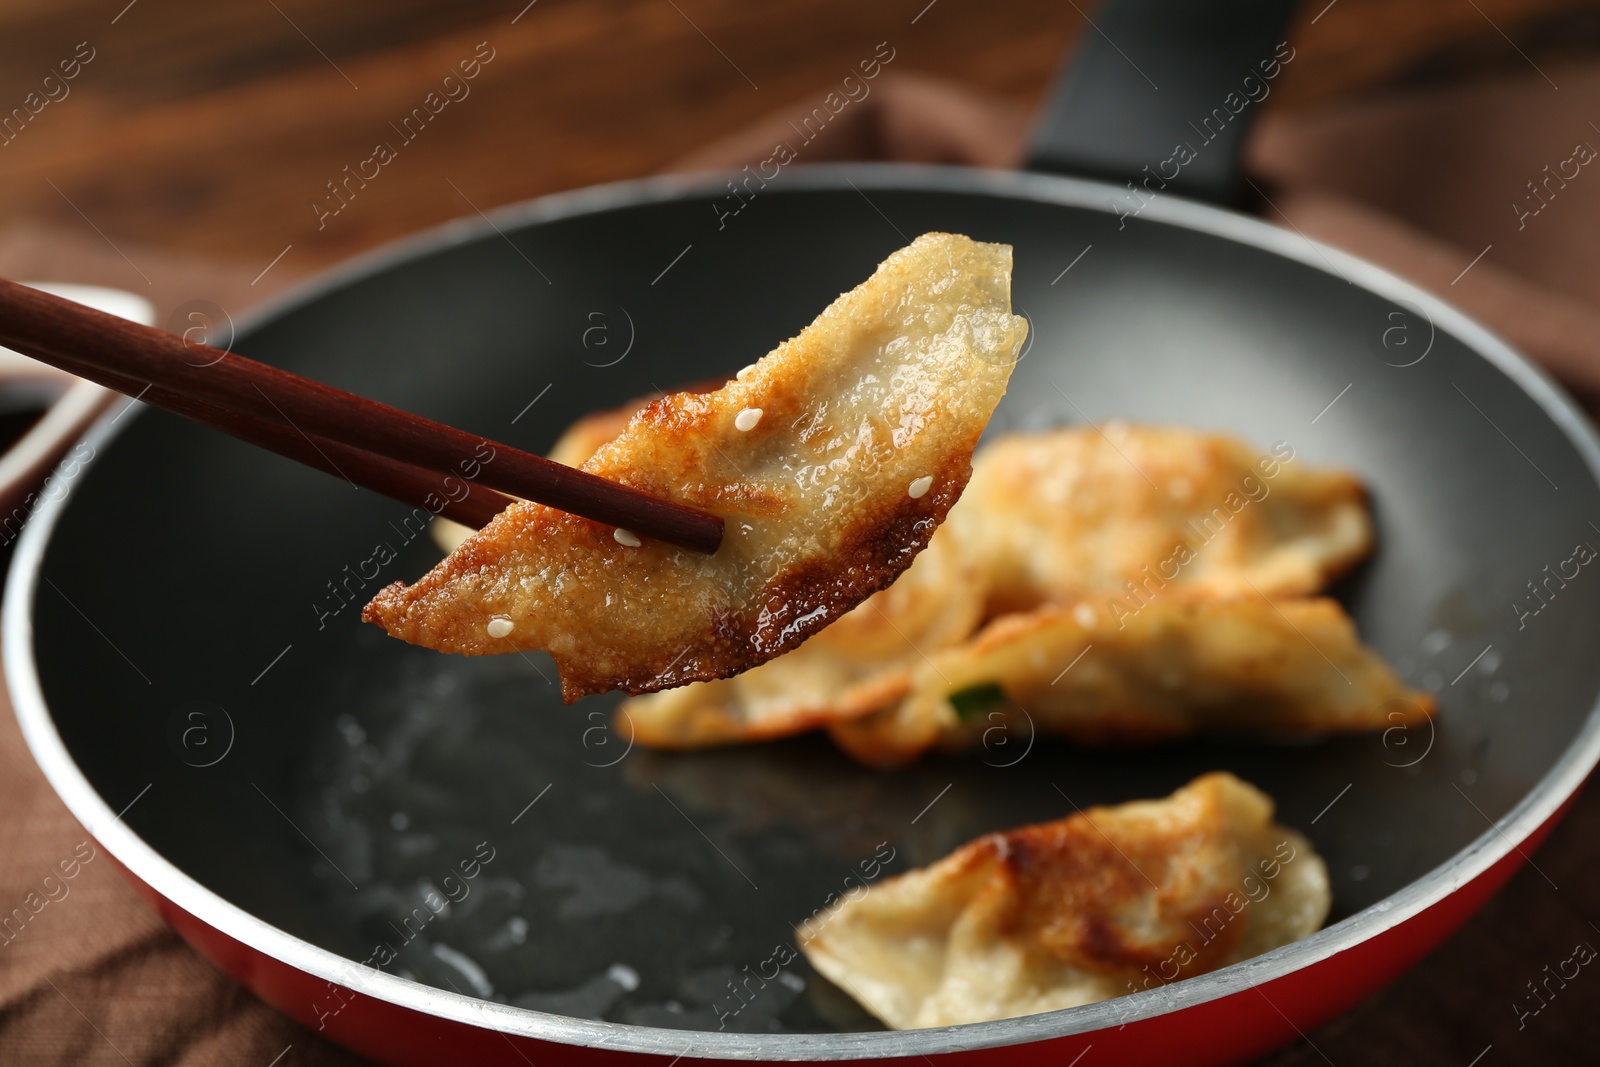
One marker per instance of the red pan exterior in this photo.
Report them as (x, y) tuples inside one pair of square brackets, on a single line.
[(1229, 1030)]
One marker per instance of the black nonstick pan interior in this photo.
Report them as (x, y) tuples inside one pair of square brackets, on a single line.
[(338, 777)]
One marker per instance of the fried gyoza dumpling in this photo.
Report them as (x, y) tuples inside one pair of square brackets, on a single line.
[(1078, 515), (832, 460), (1123, 509), (860, 664), (1179, 666), (1104, 902)]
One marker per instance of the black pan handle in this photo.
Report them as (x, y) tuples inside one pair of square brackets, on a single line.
[(1155, 77)]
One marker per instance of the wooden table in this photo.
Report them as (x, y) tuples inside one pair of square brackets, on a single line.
[(213, 129)]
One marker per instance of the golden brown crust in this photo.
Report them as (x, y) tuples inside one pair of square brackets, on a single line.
[(585, 437), (890, 386), (861, 663), (1103, 902), (1088, 511), (1182, 665)]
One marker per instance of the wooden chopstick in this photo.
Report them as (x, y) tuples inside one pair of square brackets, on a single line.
[(239, 395), (459, 499)]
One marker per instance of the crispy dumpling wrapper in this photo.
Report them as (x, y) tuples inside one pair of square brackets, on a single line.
[(1104, 902), (1179, 667), (591, 432), (860, 664), (1088, 511), (1107, 518), (867, 423)]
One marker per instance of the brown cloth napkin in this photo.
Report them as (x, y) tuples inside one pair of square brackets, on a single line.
[(1432, 184)]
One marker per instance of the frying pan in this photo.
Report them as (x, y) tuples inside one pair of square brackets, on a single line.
[(293, 790)]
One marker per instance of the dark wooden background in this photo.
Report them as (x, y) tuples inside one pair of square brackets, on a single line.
[(206, 129), (210, 127)]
